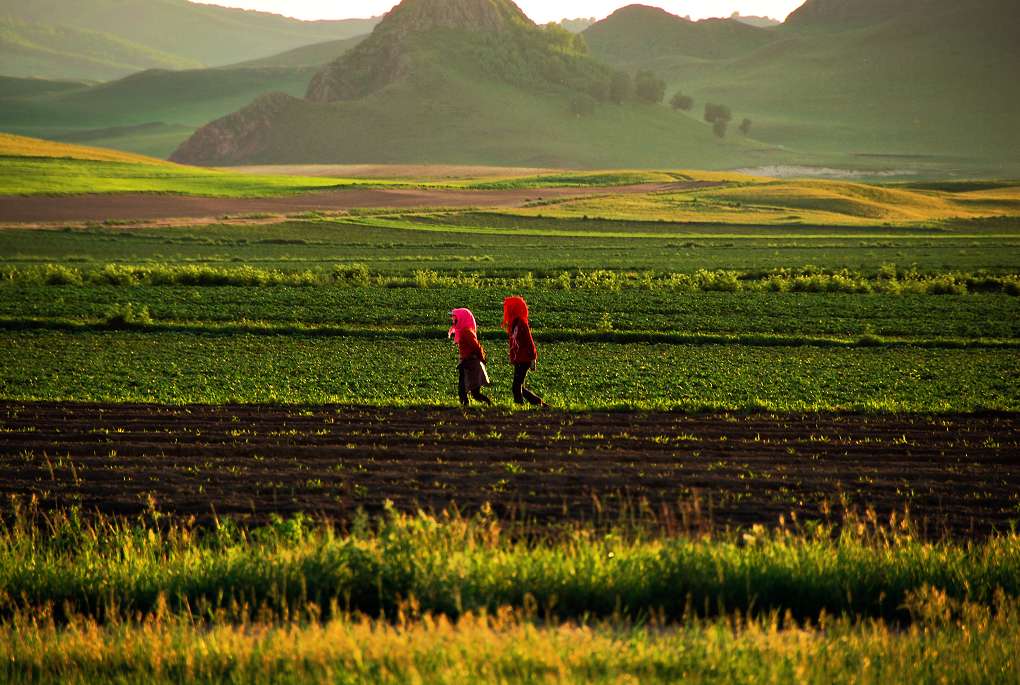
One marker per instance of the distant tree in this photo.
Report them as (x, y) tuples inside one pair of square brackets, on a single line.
[(714, 113), (600, 89), (719, 127), (745, 127), (621, 87), (682, 102), (582, 105), (649, 88)]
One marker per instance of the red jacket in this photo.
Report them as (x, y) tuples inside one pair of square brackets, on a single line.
[(469, 346), (522, 345)]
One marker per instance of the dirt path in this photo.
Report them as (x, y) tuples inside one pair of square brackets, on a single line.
[(960, 473), (129, 207)]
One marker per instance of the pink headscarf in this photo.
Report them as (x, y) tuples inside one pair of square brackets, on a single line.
[(463, 320)]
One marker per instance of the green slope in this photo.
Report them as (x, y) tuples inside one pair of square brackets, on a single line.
[(307, 56), (202, 34), (860, 81), (28, 87), (51, 51), (151, 112)]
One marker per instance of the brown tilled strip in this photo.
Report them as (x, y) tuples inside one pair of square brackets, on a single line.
[(959, 473)]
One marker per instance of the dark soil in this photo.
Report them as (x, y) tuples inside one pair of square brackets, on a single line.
[(956, 474)]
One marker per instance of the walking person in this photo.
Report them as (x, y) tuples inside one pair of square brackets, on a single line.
[(471, 369), (523, 353)]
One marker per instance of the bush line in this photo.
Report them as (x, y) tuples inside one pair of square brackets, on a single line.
[(887, 280)]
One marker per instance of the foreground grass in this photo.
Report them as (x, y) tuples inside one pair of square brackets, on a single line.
[(977, 644), (454, 601), (105, 568)]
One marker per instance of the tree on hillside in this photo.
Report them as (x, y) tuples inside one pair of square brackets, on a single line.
[(745, 127), (682, 102), (600, 89), (582, 105), (621, 88), (719, 127), (714, 113), (649, 88)]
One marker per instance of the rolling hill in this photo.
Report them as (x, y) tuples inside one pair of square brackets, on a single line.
[(640, 36), (154, 111), (47, 50), (314, 55), (905, 83), (461, 81), (103, 39)]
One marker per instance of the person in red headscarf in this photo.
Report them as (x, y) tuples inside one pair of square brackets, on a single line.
[(523, 353), (471, 368)]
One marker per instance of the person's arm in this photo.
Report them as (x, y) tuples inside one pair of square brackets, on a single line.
[(529, 342)]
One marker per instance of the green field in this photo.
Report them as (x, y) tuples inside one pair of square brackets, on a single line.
[(877, 300)]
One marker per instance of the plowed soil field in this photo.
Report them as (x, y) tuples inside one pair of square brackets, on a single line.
[(958, 474)]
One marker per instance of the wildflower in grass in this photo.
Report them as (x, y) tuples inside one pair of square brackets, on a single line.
[(471, 369), (523, 353)]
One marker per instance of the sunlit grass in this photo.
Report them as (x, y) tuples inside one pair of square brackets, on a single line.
[(22, 146), (953, 643), (824, 203)]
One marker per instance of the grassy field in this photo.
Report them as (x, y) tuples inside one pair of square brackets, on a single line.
[(895, 303)]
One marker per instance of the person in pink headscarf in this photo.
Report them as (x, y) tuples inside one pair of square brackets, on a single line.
[(471, 368)]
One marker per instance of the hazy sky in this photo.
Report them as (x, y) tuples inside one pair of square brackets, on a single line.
[(539, 10)]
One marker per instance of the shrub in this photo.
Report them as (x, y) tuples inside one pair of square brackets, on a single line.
[(621, 87), (58, 274), (600, 279), (582, 105), (682, 102), (714, 113), (649, 88), (717, 281), (352, 274), (116, 274), (127, 316)]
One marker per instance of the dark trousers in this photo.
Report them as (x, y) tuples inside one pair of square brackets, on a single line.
[(463, 392), (520, 392)]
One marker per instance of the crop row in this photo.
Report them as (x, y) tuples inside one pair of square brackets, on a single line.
[(188, 367), (354, 307), (401, 248)]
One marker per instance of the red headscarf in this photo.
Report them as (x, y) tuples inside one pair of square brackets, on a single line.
[(514, 308), (463, 320)]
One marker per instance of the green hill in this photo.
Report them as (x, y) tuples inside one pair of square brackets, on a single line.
[(28, 87), (856, 81), (101, 39), (150, 113), (638, 35), (461, 81), (314, 55), (51, 51)]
